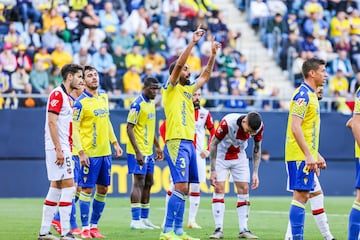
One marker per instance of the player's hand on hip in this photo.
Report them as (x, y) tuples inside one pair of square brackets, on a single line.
[(213, 178)]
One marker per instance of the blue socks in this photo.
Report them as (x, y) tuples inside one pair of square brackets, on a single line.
[(175, 213), (297, 219), (354, 222)]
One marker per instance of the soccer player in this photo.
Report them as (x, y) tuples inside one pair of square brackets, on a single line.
[(179, 149), (354, 217), (141, 123), (316, 199), (93, 133), (302, 142), (227, 154), (58, 127), (203, 121), (76, 164)]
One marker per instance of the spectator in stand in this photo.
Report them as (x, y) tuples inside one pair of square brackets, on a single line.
[(8, 59), (338, 83), (28, 11), (134, 58), (194, 62), (118, 56), (13, 37), (137, 19), (148, 72), (109, 20), (355, 84), (50, 39), (156, 40), (324, 46), (346, 5), (292, 23), (220, 86), (4, 23), (140, 40), (112, 84), (343, 62), (242, 64), (44, 57), (182, 21), (170, 9), (218, 27), (239, 82), (82, 57), (226, 61), (39, 79), (259, 13), (31, 39), (275, 103), (354, 52), (206, 45), (154, 10), (89, 19), (53, 19), (205, 58), (176, 40), (290, 49), (256, 84), (314, 24), (276, 32), (92, 39), (343, 44), (124, 40), (354, 20), (339, 25), (132, 81), (236, 101), (23, 59), (102, 61), (308, 44), (55, 78), (157, 62), (277, 6), (72, 33), (297, 67), (19, 79), (78, 5), (313, 6), (60, 57), (174, 57), (202, 20), (4, 81)]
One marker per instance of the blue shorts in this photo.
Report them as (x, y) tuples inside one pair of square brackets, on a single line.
[(300, 179), (76, 161), (357, 183), (181, 158), (99, 172), (135, 168)]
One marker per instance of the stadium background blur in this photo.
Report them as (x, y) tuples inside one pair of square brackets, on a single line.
[(257, 69)]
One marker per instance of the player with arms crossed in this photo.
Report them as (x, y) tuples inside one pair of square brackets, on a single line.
[(179, 149), (203, 121), (302, 142), (76, 163), (58, 141), (227, 153), (316, 199), (93, 133), (141, 123)]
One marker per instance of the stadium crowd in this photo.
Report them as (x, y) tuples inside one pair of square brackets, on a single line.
[(125, 40), (294, 31)]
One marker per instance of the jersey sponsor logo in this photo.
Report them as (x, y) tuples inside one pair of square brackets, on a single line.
[(188, 95), (54, 102), (100, 112)]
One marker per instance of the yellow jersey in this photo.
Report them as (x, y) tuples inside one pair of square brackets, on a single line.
[(142, 114), (179, 111), (93, 131), (304, 104)]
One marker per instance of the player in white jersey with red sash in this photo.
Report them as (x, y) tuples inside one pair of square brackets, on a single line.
[(227, 154), (58, 141)]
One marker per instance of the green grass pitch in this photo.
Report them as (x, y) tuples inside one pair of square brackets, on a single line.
[(21, 218)]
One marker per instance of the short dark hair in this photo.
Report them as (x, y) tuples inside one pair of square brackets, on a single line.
[(311, 64), (71, 68), (151, 80), (254, 120), (89, 68)]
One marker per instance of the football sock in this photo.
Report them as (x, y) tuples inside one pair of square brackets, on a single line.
[(354, 221), (135, 211), (218, 209), (319, 214), (179, 203), (194, 201), (145, 209), (49, 209), (288, 235), (77, 195), (73, 223), (175, 203), (243, 211), (98, 207), (65, 206), (167, 197), (84, 203), (297, 219)]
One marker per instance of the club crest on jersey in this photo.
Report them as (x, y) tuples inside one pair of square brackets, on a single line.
[(300, 101), (202, 115), (69, 170), (54, 102)]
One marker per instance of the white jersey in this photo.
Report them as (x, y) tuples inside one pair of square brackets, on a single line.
[(233, 139), (203, 121), (60, 104)]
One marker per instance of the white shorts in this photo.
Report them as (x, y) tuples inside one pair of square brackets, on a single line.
[(239, 169), (317, 185), (201, 166), (56, 172)]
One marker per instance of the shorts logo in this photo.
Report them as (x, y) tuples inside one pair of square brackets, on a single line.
[(69, 170), (183, 173), (85, 179), (305, 180)]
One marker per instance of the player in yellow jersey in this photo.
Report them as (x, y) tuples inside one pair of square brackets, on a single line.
[(179, 149), (354, 217), (93, 133), (141, 123), (302, 142)]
